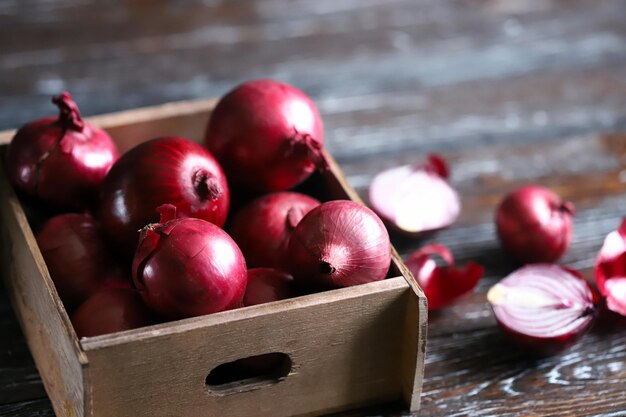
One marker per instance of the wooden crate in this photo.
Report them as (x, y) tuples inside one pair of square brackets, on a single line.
[(349, 347)]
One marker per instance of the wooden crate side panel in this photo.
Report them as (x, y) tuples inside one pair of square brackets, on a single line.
[(42, 317), (346, 351)]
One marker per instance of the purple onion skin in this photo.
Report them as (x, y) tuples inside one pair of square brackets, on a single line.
[(188, 267), (338, 244), (61, 161), (534, 224), (111, 310), (267, 135), (263, 227), (266, 285), (167, 170), (80, 264)]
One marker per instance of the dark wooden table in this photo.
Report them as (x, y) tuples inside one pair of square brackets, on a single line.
[(510, 91)]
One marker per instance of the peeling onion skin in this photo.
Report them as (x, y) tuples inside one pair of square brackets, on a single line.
[(415, 199), (610, 270), (262, 228), (545, 308), (339, 244), (111, 310), (169, 170), (267, 135), (188, 267), (534, 224), (442, 285), (61, 161), (266, 285), (80, 264)]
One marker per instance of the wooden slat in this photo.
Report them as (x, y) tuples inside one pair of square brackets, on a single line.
[(46, 326), (345, 346)]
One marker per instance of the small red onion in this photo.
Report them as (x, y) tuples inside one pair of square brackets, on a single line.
[(339, 244), (79, 262), (263, 227), (544, 307), (534, 224), (610, 270), (267, 135), (442, 285), (415, 198), (168, 170), (266, 285), (111, 310), (61, 160), (188, 267)]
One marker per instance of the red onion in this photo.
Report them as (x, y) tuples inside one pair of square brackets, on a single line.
[(79, 262), (188, 267), (442, 285), (162, 171), (266, 285), (339, 244), (267, 135), (534, 224), (263, 227), (415, 198), (62, 160), (544, 307), (109, 311), (610, 270)]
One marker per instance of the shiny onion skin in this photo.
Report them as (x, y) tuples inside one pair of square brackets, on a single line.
[(545, 308), (415, 199), (338, 244), (111, 310), (267, 135), (80, 264), (266, 285), (61, 161), (534, 224), (188, 267), (262, 228), (610, 270), (442, 285), (168, 170)]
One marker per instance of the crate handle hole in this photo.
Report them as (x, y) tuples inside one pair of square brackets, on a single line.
[(249, 373)]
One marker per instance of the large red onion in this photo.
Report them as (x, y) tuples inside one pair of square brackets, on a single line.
[(263, 227), (188, 267), (61, 160), (79, 262), (544, 307), (610, 270), (111, 310), (442, 285), (415, 198), (267, 135), (266, 285), (338, 244), (534, 224), (168, 170)]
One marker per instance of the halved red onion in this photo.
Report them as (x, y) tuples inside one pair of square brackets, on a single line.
[(442, 284), (610, 270), (544, 307), (415, 198)]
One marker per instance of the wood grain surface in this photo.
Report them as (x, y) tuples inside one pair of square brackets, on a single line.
[(510, 91)]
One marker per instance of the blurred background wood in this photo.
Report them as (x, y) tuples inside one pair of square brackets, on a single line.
[(510, 91)]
